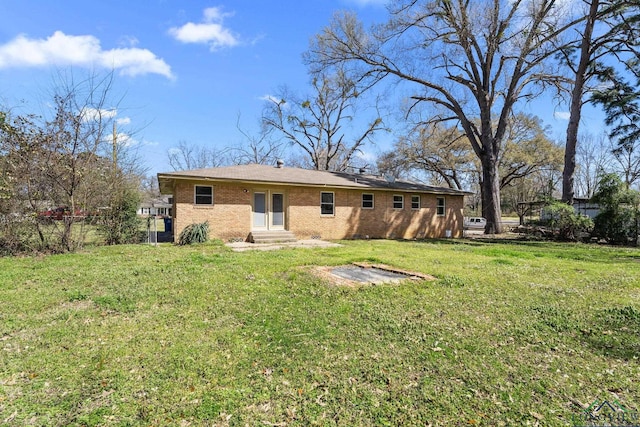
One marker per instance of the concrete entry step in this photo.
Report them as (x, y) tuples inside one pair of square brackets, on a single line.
[(272, 236)]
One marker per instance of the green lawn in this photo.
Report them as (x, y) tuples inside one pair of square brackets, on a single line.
[(510, 334)]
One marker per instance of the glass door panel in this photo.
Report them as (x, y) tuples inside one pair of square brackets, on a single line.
[(259, 210), (277, 210)]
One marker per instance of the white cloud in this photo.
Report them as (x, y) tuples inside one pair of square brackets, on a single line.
[(128, 140), (94, 114), (215, 14), (211, 31), (215, 34), (271, 98), (125, 140), (276, 100), (129, 41), (134, 62), (367, 156), (562, 115), (64, 50)]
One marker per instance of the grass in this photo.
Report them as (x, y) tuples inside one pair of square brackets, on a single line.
[(509, 334)]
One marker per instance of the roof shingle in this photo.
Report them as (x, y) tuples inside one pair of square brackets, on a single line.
[(254, 173)]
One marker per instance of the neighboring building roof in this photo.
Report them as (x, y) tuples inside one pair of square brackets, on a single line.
[(157, 202), (254, 173), (582, 200)]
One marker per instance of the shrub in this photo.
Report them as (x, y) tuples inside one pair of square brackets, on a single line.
[(120, 223), (615, 225), (566, 223), (194, 233), (17, 235), (617, 221)]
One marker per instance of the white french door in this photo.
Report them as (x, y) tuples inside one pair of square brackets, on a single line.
[(268, 210)]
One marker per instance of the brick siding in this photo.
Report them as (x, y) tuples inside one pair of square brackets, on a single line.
[(230, 216)]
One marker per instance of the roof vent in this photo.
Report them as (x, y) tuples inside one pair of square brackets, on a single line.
[(279, 163)]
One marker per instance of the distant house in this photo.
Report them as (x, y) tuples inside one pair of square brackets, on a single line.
[(161, 206), (583, 206), (241, 202)]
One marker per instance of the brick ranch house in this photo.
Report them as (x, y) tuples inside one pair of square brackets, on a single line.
[(241, 202)]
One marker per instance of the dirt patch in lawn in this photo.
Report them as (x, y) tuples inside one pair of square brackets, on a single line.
[(360, 273)]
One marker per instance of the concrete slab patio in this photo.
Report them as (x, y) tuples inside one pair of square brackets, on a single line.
[(367, 275), (313, 243)]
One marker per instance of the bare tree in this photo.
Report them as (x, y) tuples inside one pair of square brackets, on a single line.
[(22, 192), (527, 150), (261, 148), (524, 195), (530, 165), (469, 59), (581, 77), (443, 153), (440, 151), (392, 163), (74, 147), (189, 156), (66, 160), (593, 157), (616, 37), (318, 124), (627, 156)]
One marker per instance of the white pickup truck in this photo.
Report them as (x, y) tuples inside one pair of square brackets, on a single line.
[(474, 222)]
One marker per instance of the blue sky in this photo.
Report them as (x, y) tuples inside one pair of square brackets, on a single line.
[(186, 69)]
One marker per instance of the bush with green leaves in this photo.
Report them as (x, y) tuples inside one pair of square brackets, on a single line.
[(566, 223), (119, 223), (619, 214), (194, 233)]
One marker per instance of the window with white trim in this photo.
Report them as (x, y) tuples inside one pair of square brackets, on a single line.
[(327, 203), (367, 201), (398, 201), (440, 206), (203, 195), (415, 202)]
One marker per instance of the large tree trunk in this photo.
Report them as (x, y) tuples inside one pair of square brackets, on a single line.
[(490, 188), (570, 158), (576, 106)]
